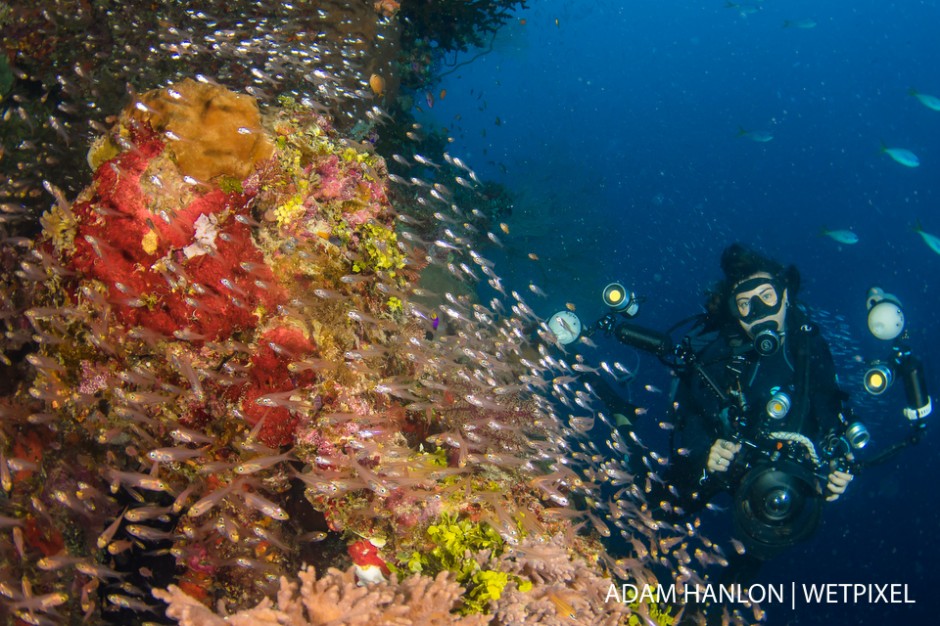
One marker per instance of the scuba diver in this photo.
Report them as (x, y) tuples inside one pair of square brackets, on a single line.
[(757, 410), (765, 371)]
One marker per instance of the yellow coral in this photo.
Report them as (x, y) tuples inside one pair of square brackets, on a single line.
[(380, 246), (660, 616), (59, 225), (351, 154), (101, 150), (290, 211), (149, 241)]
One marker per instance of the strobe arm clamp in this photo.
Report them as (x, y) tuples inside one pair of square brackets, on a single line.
[(605, 324)]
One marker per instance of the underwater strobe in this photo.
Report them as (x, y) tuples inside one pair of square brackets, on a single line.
[(619, 299), (886, 322), (566, 327)]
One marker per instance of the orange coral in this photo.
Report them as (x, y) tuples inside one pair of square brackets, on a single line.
[(212, 131), (388, 8)]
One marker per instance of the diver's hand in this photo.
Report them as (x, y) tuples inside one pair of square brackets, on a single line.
[(721, 454), (836, 484)]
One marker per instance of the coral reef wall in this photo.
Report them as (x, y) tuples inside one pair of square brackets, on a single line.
[(226, 372), (240, 346)]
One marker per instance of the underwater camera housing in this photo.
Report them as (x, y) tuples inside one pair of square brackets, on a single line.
[(778, 497), (776, 504)]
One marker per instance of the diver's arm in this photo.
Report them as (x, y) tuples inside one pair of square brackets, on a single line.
[(695, 431)]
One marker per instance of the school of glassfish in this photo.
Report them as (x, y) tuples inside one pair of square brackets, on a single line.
[(224, 377)]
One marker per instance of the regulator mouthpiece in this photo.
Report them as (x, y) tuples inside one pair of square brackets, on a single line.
[(767, 341)]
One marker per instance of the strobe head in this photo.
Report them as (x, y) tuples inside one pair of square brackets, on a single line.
[(885, 316), (878, 378), (857, 435), (779, 405), (618, 298)]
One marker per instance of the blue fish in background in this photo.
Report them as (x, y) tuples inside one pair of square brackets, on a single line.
[(931, 102), (841, 235), (743, 9), (805, 24), (932, 241), (902, 155), (760, 136)]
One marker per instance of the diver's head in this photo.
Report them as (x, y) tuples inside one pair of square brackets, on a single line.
[(759, 302), (758, 291)]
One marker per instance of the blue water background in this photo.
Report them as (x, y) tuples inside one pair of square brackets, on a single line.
[(617, 131)]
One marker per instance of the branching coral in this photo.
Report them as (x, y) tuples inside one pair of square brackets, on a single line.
[(336, 599), (564, 587)]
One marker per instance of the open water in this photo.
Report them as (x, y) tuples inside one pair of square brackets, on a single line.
[(618, 128)]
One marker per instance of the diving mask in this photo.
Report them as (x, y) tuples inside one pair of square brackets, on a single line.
[(755, 299), (758, 304)]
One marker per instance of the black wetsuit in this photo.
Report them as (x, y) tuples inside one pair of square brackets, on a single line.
[(724, 395), (734, 403), (719, 360)]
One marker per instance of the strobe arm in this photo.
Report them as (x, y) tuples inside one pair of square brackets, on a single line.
[(911, 372), (652, 341)]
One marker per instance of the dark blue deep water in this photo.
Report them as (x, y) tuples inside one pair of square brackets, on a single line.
[(616, 127)]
